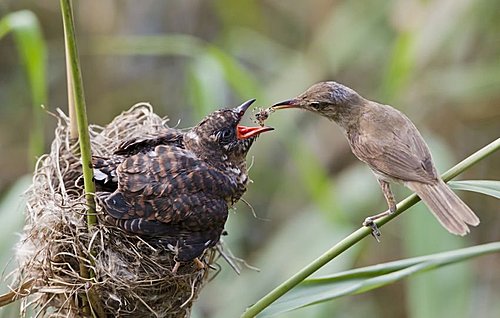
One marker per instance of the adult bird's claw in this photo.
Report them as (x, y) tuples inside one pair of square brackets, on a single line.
[(375, 230)]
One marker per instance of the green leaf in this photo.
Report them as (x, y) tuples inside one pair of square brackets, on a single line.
[(32, 49), (424, 293), (313, 291), (12, 216), (11, 213), (488, 187)]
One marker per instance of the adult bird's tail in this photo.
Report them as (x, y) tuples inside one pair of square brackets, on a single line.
[(446, 206)]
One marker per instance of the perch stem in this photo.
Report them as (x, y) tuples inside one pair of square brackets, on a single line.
[(77, 107), (80, 110), (360, 233)]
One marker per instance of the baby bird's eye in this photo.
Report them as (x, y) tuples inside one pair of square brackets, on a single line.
[(315, 104), (226, 135)]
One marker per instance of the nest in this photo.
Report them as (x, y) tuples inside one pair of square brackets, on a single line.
[(131, 277)]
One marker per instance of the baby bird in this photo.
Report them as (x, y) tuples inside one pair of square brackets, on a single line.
[(177, 188)]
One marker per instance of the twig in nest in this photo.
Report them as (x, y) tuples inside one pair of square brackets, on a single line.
[(20, 292)]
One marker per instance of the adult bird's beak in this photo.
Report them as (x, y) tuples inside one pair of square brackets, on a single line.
[(244, 132), (289, 103)]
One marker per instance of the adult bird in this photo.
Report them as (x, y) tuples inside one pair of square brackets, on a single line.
[(177, 188), (390, 144)]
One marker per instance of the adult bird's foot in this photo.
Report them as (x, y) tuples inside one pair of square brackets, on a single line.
[(392, 208), (369, 222)]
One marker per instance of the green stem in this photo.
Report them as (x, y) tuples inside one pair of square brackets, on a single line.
[(80, 110), (76, 103), (361, 233)]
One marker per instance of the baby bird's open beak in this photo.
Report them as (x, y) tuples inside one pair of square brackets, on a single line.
[(244, 132), (243, 107)]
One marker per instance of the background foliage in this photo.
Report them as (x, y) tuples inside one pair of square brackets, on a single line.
[(435, 60)]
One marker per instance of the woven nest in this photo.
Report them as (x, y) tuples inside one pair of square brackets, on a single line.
[(132, 277)]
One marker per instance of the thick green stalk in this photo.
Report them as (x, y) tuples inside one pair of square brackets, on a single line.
[(80, 110), (77, 110), (359, 234)]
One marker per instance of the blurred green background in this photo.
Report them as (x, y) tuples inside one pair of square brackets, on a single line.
[(438, 61)]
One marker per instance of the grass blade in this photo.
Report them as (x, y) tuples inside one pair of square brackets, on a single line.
[(488, 187), (313, 291), (32, 49)]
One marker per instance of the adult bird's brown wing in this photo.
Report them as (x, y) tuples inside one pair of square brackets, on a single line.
[(170, 194), (397, 151)]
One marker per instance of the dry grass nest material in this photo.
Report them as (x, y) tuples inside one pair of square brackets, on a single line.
[(132, 277)]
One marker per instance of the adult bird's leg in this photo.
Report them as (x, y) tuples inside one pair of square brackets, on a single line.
[(389, 197), (391, 202)]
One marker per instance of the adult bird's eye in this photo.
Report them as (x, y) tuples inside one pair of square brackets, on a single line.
[(315, 104)]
